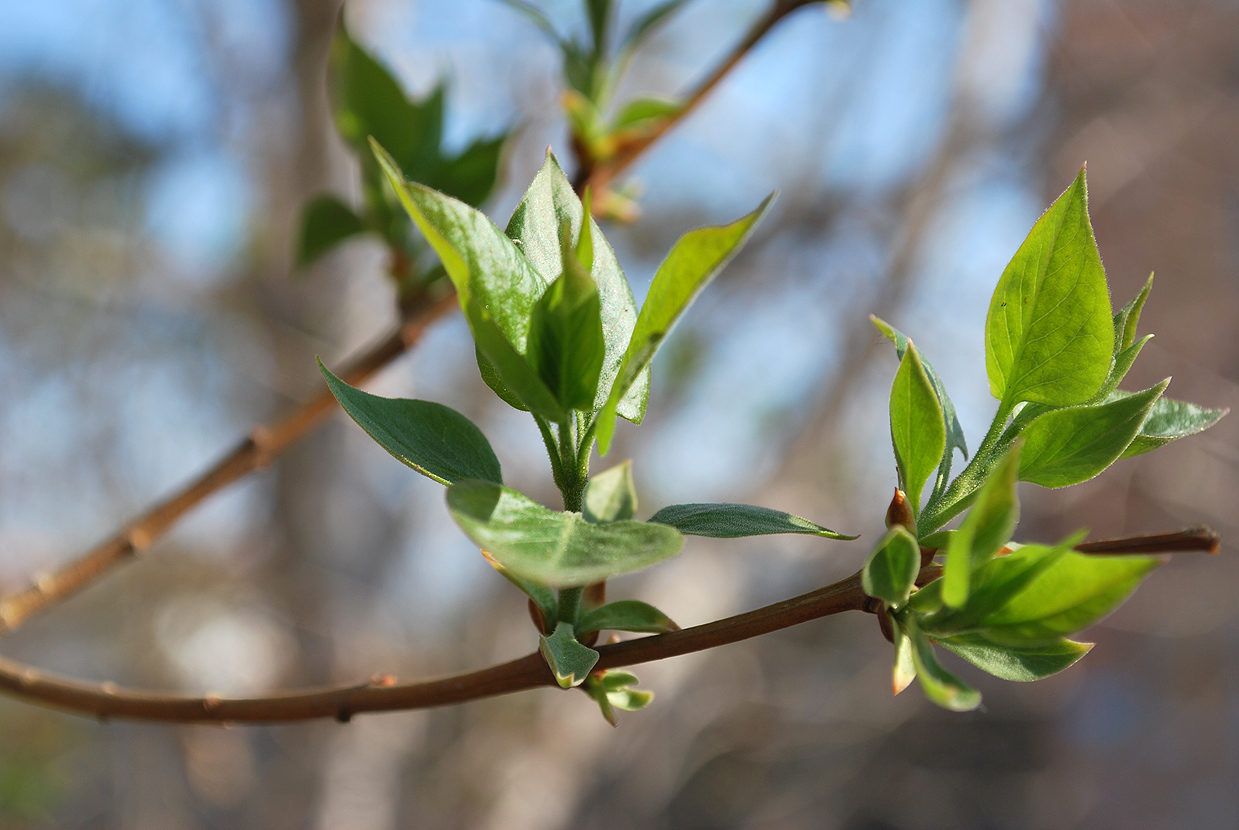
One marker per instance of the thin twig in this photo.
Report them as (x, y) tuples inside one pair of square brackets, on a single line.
[(597, 177), (383, 694), (258, 450)]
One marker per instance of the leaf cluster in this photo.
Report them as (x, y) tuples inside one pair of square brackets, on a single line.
[(1055, 356)]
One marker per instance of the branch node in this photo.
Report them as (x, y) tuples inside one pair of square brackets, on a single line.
[(211, 703), (139, 540), (109, 688), (343, 714), (260, 440), (44, 581), (382, 680)]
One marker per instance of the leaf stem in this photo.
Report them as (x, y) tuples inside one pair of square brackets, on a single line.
[(949, 503)]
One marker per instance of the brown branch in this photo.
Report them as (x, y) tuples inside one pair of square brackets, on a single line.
[(599, 176), (383, 694), (258, 450)]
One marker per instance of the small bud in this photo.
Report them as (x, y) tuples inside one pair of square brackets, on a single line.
[(900, 512)]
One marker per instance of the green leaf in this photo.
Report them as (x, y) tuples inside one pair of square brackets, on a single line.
[(566, 341), (1068, 446), (433, 439), (984, 531), (938, 684), (554, 548), (368, 102), (1074, 592), (507, 372), (731, 521), (644, 112), (325, 223), (630, 700), (1128, 317), (904, 671), (569, 661), (1049, 335), (954, 431), (549, 204), (692, 262), (471, 175), (890, 572), (611, 495), (993, 585), (918, 427), (1022, 663), (627, 615), (599, 16), (1168, 421)]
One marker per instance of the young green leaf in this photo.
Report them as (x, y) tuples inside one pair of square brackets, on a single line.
[(891, 569), (1049, 335), (566, 341), (993, 585), (433, 439), (549, 204), (732, 521), (594, 688), (630, 700), (1071, 594), (938, 684), (507, 372), (1168, 421), (904, 671), (693, 261), (569, 661), (643, 113), (954, 431), (1022, 663), (918, 427), (1128, 317), (554, 548), (611, 495), (987, 528), (325, 223), (1068, 446), (627, 615), (470, 176)]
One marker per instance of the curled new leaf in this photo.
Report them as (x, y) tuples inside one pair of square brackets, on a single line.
[(433, 439), (938, 684), (918, 428), (732, 521), (627, 615), (891, 569)]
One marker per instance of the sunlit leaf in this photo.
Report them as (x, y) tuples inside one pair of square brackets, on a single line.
[(986, 528), (693, 261), (918, 428), (1049, 335), (938, 684), (1168, 421), (433, 439), (1022, 662), (1068, 446), (904, 670)]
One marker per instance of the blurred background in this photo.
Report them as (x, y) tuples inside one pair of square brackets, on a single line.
[(154, 158)]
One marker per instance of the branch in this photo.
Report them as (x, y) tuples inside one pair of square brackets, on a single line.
[(383, 694), (258, 450), (598, 177)]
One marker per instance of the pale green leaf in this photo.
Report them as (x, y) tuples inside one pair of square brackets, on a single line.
[(1049, 335), (551, 547), (918, 428), (904, 670), (1068, 446), (433, 439), (731, 521), (1168, 421), (611, 495), (891, 569), (692, 262), (1023, 662), (568, 660), (938, 684)]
